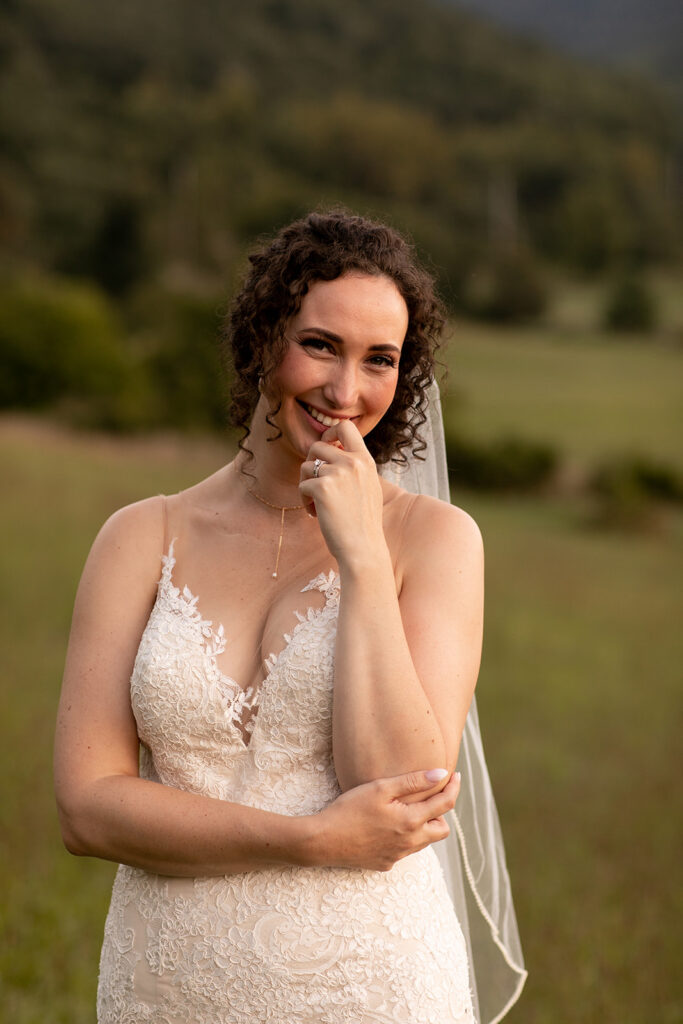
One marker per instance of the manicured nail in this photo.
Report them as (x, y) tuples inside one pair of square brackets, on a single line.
[(436, 774)]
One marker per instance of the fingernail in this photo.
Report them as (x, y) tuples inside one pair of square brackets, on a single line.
[(436, 774), (458, 777)]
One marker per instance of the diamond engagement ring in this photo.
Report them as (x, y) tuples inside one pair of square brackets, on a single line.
[(316, 467)]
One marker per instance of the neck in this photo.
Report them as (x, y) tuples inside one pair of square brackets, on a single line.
[(273, 472), (279, 492)]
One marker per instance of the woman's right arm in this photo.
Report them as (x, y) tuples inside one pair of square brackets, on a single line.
[(106, 810)]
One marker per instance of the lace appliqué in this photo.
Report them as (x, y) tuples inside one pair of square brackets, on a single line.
[(241, 702), (285, 946)]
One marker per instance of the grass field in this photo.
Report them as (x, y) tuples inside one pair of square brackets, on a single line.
[(589, 395), (579, 697)]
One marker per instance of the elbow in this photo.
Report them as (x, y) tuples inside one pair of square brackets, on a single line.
[(72, 845), (87, 819), (71, 837), (73, 827)]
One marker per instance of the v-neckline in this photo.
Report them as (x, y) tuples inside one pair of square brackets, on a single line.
[(213, 641)]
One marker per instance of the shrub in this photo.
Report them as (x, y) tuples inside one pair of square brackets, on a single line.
[(630, 306), (61, 346), (629, 491), (639, 474), (57, 339), (505, 464), (659, 481)]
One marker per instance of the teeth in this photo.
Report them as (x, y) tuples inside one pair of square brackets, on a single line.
[(326, 421)]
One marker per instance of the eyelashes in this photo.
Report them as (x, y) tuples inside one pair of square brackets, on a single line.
[(316, 343), (387, 361), (379, 360)]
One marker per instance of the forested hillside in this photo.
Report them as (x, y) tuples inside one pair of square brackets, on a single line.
[(142, 137)]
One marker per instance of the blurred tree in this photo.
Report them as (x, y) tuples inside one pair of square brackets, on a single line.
[(507, 288), (115, 257), (179, 350)]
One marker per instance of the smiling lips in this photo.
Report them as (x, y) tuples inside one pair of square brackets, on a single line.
[(327, 421)]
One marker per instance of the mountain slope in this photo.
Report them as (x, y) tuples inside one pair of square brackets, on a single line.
[(175, 132)]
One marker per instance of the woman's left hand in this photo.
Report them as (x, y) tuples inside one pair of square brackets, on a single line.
[(347, 493)]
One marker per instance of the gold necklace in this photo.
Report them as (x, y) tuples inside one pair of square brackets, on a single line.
[(281, 509)]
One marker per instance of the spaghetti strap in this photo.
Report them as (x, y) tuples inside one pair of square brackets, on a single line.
[(164, 505)]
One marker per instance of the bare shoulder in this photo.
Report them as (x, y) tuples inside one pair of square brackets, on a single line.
[(136, 529), (130, 544), (126, 553), (431, 514), (438, 537), (115, 595)]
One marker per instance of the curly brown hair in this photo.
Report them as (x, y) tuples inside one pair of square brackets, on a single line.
[(323, 247)]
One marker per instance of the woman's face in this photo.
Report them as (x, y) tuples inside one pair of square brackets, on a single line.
[(344, 347)]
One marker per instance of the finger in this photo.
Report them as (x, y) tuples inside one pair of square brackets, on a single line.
[(308, 468), (437, 829), (439, 804), (308, 490), (324, 450), (414, 782), (306, 476), (348, 434), (432, 831)]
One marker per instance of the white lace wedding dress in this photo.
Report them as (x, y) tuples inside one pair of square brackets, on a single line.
[(285, 945)]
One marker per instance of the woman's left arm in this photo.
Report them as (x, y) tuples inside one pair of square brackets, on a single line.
[(405, 665)]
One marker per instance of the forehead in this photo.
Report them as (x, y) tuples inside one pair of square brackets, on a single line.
[(355, 302)]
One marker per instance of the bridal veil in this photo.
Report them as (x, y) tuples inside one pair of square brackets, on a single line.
[(473, 855)]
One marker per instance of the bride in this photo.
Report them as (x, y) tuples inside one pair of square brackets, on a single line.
[(265, 737)]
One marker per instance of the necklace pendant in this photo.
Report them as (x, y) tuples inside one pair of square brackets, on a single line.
[(281, 509)]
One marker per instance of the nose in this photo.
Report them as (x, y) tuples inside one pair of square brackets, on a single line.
[(342, 388)]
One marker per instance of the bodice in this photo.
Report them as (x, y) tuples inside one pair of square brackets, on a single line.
[(203, 732)]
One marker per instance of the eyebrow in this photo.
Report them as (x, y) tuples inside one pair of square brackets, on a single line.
[(331, 336)]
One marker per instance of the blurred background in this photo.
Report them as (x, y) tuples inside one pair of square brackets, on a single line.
[(533, 153)]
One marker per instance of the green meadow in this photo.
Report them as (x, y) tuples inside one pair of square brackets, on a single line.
[(579, 693), (588, 394)]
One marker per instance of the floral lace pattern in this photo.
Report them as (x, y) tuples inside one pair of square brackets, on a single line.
[(280, 945)]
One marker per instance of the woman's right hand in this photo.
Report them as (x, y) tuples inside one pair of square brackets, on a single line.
[(374, 825)]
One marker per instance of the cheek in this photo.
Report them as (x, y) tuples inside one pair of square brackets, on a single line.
[(295, 373), (384, 393), (283, 380), (383, 398)]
